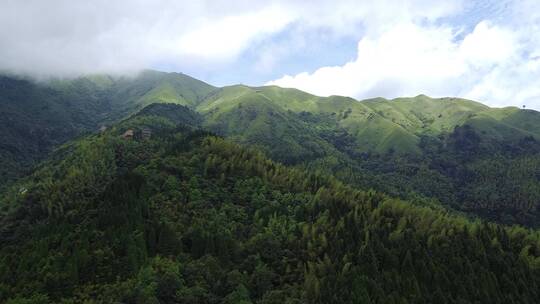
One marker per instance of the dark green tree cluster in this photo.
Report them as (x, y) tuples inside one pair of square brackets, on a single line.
[(494, 179)]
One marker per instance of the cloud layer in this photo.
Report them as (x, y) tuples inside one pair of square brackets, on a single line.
[(66, 37), (70, 37), (485, 50), (495, 63)]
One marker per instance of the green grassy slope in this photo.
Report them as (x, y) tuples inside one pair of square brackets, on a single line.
[(38, 116), (433, 116), (381, 125), (372, 131), (132, 94)]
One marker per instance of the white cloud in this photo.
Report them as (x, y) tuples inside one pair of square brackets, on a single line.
[(489, 64), (229, 36), (70, 37), (407, 47), (488, 45), (61, 37)]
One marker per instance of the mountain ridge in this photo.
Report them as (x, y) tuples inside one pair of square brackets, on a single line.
[(389, 145), (36, 116), (381, 117)]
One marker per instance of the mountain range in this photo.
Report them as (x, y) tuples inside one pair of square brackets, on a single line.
[(160, 188), (441, 148)]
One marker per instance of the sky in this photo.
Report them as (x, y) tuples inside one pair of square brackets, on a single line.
[(485, 50)]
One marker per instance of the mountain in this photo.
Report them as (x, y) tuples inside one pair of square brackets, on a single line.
[(380, 125), (371, 131), (250, 117), (175, 214), (36, 117), (471, 158)]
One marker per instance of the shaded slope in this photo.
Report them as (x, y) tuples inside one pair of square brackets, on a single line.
[(36, 117), (175, 113)]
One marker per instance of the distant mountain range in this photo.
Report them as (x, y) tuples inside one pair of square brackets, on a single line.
[(404, 147)]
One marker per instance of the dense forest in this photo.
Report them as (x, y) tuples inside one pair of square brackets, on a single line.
[(498, 180), (175, 214)]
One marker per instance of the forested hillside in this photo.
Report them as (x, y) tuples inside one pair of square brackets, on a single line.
[(479, 160), (178, 215), (35, 117)]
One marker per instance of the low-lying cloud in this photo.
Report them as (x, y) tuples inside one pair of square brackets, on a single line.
[(71, 37), (485, 50)]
